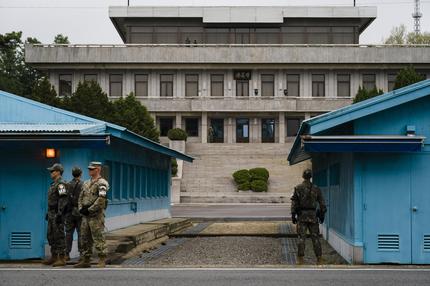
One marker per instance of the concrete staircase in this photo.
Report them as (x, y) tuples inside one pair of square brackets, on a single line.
[(209, 178)]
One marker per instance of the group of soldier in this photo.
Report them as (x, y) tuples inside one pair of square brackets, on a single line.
[(79, 206)]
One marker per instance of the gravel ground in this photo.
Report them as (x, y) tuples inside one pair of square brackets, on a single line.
[(224, 251), (243, 228)]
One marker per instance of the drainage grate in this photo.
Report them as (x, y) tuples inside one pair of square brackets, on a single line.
[(287, 228), (426, 242), (20, 240), (197, 229), (388, 242), (289, 248)]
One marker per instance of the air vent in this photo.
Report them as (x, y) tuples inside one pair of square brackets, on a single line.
[(426, 242), (20, 240), (388, 242)]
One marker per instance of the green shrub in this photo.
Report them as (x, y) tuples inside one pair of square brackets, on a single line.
[(241, 176), (259, 174), (259, 186), (174, 167), (177, 134), (244, 186)]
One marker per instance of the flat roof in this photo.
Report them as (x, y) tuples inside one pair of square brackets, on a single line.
[(240, 14)]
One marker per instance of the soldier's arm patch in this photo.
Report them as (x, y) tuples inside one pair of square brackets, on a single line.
[(62, 190), (102, 191)]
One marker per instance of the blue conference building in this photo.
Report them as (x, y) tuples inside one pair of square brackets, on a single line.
[(372, 161), (33, 136)]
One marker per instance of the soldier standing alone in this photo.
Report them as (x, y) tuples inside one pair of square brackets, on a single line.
[(57, 204), (92, 204), (73, 217), (304, 212)]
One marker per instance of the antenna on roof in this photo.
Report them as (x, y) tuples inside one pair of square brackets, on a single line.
[(417, 16)]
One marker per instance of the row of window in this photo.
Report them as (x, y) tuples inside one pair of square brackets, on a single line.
[(130, 182), (217, 85), (216, 128)]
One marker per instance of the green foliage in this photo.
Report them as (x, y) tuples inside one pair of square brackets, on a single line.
[(177, 134), (131, 114), (400, 36), (242, 176), (174, 167), (44, 92), (61, 39), (259, 186), (244, 186), (406, 77), (259, 174), (364, 94), (15, 75)]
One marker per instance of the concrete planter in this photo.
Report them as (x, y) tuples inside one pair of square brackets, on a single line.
[(176, 190), (178, 145)]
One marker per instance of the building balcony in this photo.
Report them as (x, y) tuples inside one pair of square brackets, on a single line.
[(251, 104), (216, 55)]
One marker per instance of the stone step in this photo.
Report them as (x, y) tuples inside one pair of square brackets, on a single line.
[(235, 199)]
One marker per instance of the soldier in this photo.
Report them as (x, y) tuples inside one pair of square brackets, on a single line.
[(304, 212), (92, 204), (57, 204), (73, 217)]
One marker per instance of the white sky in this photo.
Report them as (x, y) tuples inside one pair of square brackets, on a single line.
[(87, 21)]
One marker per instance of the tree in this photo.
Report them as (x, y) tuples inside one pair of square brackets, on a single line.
[(406, 77), (44, 92), (60, 39), (364, 94), (400, 36), (134, 116), (89, 99)]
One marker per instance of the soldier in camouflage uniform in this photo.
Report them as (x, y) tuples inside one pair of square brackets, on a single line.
[(304, 212), (92, 205), (57, 204), (73, 217)]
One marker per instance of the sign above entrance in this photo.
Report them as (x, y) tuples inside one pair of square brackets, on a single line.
[(242, 75)]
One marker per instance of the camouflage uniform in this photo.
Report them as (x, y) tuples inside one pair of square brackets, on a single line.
[(57, 204), (73, 217), (305, 199), (93, 197)]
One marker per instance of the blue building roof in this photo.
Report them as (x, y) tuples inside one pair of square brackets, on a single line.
[(324, 122), (19, 115)]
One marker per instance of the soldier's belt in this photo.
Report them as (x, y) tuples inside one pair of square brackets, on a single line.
[(308, 209)]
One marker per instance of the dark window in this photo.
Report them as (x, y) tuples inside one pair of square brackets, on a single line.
[(343, 85), (369, 81), (166, 85), (216, 131), (217, 85), (242, 130), (115, 85), (165, 125), (141, 85), (318, 85), (90, 77), (242, 88), (391, 81), (293, 125), (242, 36), (192, 126), (65, 86), (191, 85), (267, 85), (268, 130), (293, 85)]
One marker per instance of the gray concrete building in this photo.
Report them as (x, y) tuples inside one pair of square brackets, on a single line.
[(237, 76)]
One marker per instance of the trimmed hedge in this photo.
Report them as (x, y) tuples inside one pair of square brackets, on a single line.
[(177, 134), (174, 167), (259, 174), (259, 186), (241, 176), (244, 187)]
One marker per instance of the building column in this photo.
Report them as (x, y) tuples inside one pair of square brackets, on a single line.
[(178, 121), (230, 130), (307, 115), (204, 127), (281, 127)]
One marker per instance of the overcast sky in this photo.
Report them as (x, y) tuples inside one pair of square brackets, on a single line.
[(87, 21)]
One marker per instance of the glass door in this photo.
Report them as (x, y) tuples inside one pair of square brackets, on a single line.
[(268, 130), (242, 130), (216, 130)]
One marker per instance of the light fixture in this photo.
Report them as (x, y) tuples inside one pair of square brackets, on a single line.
[(285, 92), (50, 153), (256, 91)]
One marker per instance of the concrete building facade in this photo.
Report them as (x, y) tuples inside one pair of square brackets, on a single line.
[(233, 74)]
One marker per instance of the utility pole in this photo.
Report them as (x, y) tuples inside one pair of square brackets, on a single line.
[(417, 16)]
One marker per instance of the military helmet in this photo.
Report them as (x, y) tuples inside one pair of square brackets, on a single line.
[(307, 174), (56, 167), (76, 171)]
